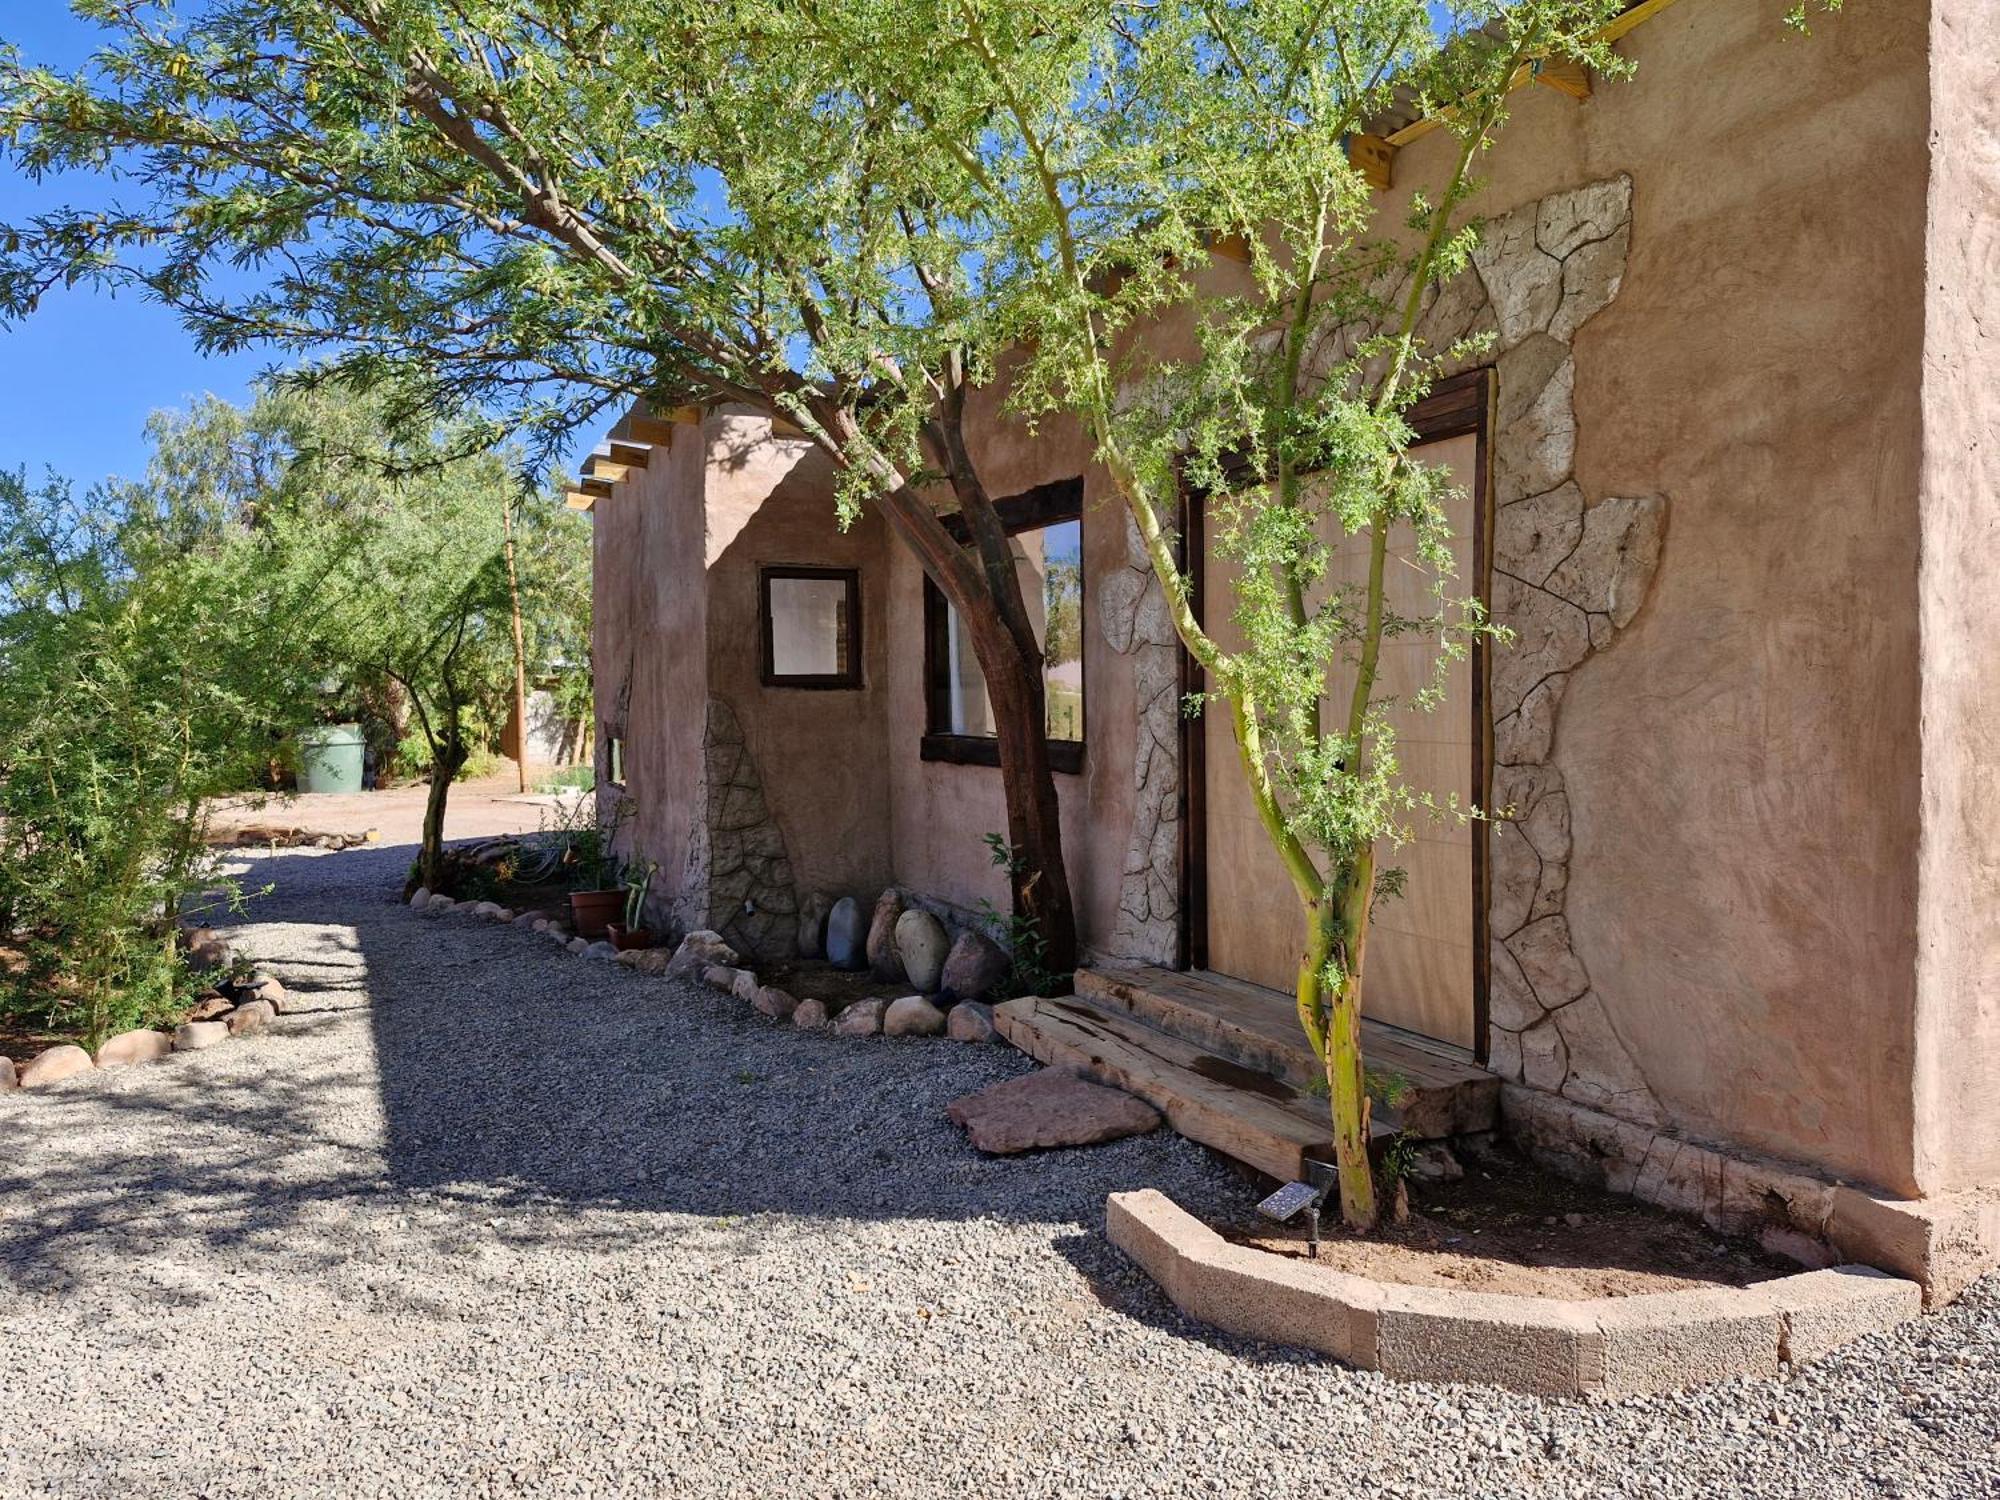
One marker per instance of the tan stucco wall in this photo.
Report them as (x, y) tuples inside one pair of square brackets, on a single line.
[(1958, 935), (1739, 764), (648, 603), (822, 754), (942, 813)]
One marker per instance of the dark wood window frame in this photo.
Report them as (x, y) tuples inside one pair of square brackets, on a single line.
[(1457, 406), (772, 678), (1044, 505)]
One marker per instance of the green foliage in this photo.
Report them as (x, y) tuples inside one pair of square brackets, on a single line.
[(147, 662), (1030, 972)]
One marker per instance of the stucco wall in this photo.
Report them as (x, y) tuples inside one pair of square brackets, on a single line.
[(941, 813), (1958, 938), (821, 753), (648, 601), (1739, 764)]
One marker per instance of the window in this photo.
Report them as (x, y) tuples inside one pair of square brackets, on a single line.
[(812, 627), (1046, 531)]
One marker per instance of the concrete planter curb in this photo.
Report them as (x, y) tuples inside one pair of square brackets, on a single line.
[(1614, 1346)]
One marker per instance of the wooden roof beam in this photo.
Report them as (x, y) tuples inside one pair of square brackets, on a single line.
[(1373, 157), (631, 455), (600, 466), (577, 500)]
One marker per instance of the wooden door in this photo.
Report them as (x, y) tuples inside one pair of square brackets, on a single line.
[(1424, 958)]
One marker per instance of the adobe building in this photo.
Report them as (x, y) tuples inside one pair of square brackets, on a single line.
[(1731, 475)]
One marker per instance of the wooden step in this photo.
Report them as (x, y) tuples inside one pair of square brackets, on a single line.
[(1240, 1112), (1446, 1092)]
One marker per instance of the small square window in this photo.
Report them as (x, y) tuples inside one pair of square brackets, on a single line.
[(812, 627)]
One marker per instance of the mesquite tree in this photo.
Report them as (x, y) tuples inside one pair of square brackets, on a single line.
[(545, 208), (1108, 165)]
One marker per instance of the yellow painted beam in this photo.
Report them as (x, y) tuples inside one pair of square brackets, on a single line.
[(650, 430), (1374, 158), (577, 500), (1611, 31), (1571, 78), (599, 467), (632, 455), (591, 485)]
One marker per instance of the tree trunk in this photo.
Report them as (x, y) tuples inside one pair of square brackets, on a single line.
[(446, 761), (1037, 873), (520, 654)]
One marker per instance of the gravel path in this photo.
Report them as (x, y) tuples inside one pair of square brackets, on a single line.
[(482, 1219)]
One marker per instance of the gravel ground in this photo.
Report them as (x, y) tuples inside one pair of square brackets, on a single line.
[(483, 1219)]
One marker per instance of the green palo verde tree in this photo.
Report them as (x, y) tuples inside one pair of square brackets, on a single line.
[(546, 208), (1104, 155)]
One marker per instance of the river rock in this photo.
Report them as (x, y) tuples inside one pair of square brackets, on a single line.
[(810, 1016), (970, 1021), (130, 1047), (268, 990), (601, 949), (195, 1036), (698, 951), (1054, 1107), (912, 1015), (205, 950), (812, 925), (211, 1008), (54, 1065), (773, 1002), (847, 935), (883, 960), (529, 921), (974, 968), (745, 985), (10, 1076), (254, 1015), (577, 945), (922, 943), (862, 1018)]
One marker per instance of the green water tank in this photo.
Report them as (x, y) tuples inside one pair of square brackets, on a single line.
[(330, 758)]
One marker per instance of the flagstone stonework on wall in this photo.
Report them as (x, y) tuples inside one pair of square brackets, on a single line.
[(739, 877), (1133, 615)]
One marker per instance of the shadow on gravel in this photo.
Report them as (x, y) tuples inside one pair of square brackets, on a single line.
[(489, 1067)]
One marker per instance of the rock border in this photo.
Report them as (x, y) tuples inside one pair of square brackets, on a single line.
[(705, 955), (257, 1002), (1606, 1347)]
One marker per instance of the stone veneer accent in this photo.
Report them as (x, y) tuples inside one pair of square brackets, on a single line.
[(1132, 612), (736, 852)]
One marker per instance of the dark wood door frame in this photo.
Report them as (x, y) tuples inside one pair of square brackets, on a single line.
[(1457, 407)]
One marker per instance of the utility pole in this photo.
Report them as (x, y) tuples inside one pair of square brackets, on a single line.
[(520, 652)]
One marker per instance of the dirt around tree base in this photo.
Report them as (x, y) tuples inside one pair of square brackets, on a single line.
[(1507, 1227)]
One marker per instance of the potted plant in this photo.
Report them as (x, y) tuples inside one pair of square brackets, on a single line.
[(629, 933), (597, 903)]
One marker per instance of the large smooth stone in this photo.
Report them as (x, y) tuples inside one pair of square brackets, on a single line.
[(847, 935), (130, 1047), (698, 952), (10, 1076), (970, 1021), (198, 1036), (54, 1065), (883, 960), (812, 925), (922, 943), (862, 1018), (912, 1015), (1054, 1107), (974, 968), (252, 1015)]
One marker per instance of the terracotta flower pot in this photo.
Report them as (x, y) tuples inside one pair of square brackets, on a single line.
[(592, 912), (623, 937)]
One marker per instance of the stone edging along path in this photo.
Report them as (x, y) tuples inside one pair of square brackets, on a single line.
[(1611, 1346), (705, 956)]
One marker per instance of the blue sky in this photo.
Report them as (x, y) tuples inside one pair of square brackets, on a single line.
[(78, 379)]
